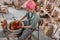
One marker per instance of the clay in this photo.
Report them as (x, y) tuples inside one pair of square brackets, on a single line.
[(15, 25), (57, 19), (54, 13), (48, 30), (4, 10)]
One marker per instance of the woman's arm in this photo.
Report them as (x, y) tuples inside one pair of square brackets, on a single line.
[(27, 27), (22, 18)]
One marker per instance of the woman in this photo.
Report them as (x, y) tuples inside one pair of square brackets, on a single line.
[(32, 20)]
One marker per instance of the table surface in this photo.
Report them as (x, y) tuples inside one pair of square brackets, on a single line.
[(13, 14)]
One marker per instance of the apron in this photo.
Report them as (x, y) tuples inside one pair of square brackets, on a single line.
[(28, 21)]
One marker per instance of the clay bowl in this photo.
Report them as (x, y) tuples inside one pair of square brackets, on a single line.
[(15, 27)]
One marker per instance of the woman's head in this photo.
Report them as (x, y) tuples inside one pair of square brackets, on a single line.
[(30, 6)]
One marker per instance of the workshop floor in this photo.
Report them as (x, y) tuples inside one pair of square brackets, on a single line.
[(20, 13)]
